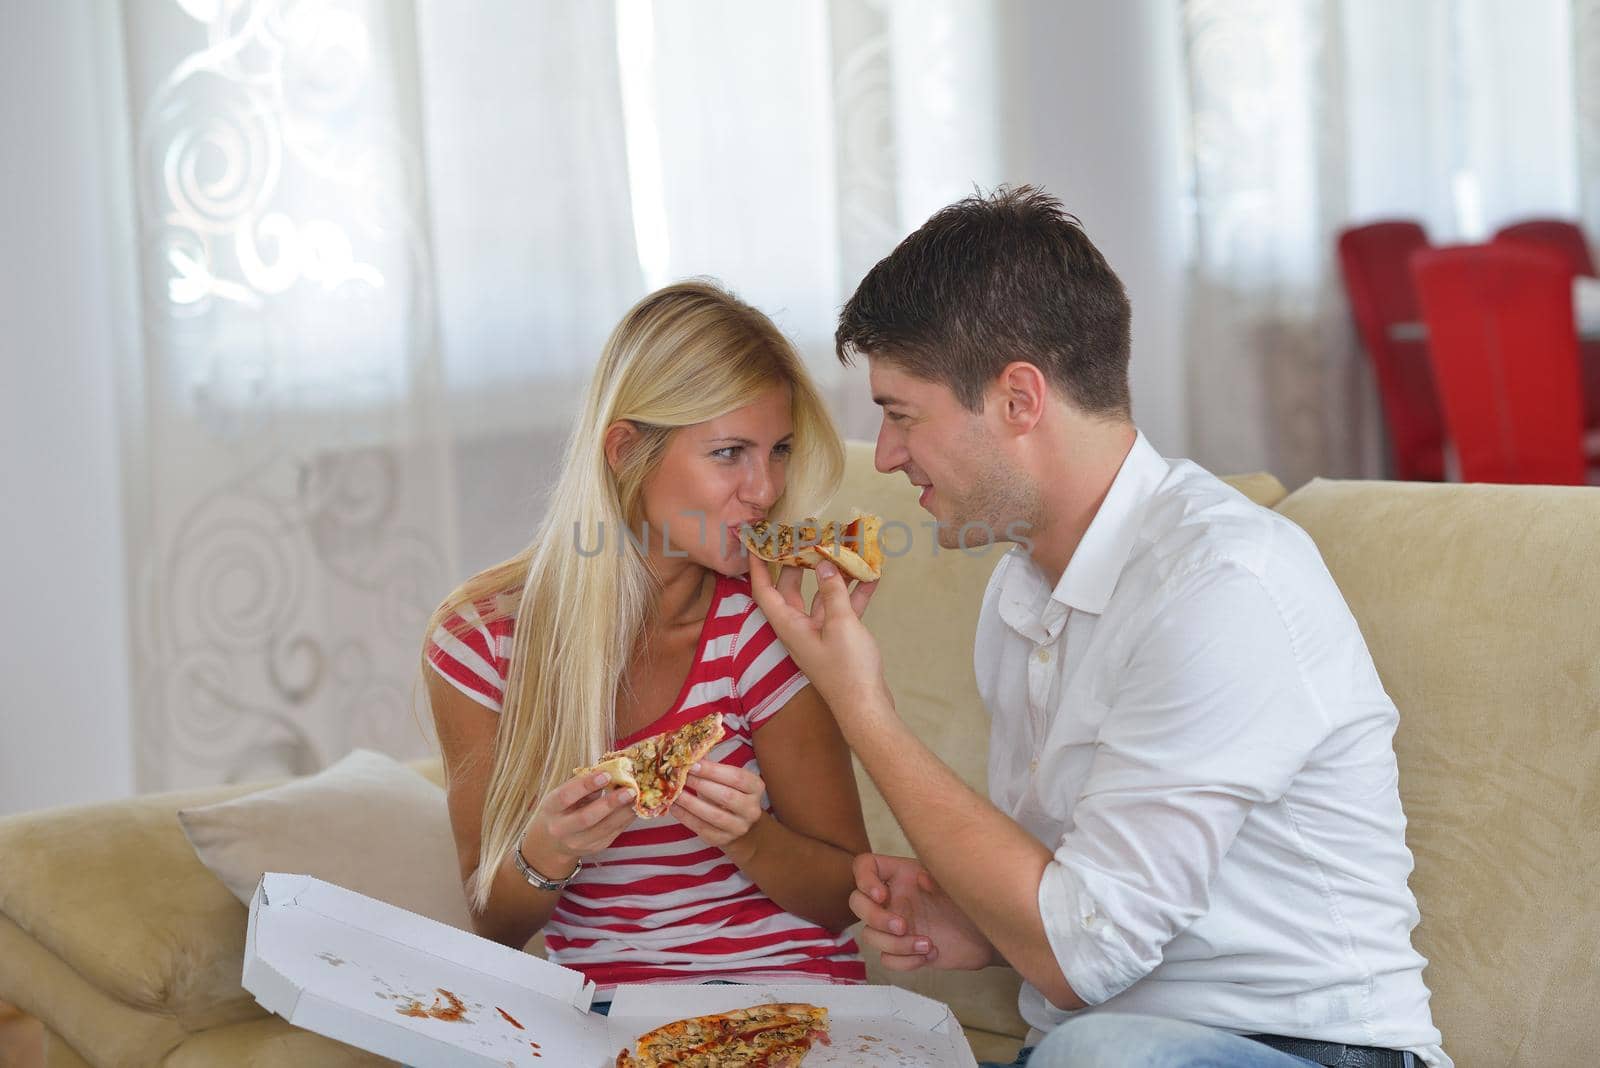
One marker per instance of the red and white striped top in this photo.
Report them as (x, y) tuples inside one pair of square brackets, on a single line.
[(660, 905)]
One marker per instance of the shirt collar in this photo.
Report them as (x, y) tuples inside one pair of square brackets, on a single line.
[(1029, 607)]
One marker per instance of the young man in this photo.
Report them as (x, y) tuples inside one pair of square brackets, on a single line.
[(1193, 850)]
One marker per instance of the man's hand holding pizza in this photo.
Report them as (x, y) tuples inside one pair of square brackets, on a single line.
[(828, 640)]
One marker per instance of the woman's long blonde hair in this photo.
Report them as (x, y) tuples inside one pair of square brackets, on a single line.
[(683, 355)]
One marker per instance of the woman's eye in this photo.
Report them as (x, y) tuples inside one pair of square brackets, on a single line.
[(729, 452), (785, 449)]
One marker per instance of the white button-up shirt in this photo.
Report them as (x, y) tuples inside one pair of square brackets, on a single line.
[(1191, 721)]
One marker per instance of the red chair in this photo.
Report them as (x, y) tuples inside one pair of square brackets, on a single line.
[(1505, 356), (1375, 262), (1567, 239), (1556, 234)]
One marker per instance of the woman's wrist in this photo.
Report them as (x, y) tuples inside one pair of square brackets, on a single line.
[(546, 856)]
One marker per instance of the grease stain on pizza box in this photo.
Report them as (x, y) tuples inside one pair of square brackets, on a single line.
[(423, 993)]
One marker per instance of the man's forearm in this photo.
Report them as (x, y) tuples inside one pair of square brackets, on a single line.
[(982, 858)]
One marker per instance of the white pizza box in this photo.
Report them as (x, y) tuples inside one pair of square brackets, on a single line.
[(335, 962), (423, 993)]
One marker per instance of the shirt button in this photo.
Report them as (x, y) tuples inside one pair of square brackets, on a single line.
[(1033, 765), (1043, 655)]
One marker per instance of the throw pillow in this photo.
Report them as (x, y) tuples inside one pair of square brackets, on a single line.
[(367, 823)]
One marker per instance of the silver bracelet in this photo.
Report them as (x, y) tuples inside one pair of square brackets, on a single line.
[(539, 881)]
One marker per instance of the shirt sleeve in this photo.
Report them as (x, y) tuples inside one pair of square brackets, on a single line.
[(1212, 717), (465, 652), (764, 675)]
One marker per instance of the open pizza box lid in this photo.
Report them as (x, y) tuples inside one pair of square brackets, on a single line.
[(420, 992)]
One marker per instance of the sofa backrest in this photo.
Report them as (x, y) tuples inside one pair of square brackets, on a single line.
[(1481, 606), (925, 616)]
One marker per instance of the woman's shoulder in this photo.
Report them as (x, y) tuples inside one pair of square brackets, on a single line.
[(496, 611), (471, 648)]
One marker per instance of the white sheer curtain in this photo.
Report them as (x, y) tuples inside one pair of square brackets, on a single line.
[(785, 148), (1586, 90), (379, 244), (528, 186), (357, 264), (528, 182), (734, 99), (282, 466), (1309, 115)]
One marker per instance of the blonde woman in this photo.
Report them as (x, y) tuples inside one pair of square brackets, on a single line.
[(630, 614)]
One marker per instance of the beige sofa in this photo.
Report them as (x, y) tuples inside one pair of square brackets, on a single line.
[(1482, 608)]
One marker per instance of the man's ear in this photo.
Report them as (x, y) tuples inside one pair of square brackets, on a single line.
[(621, 436), (1021, 391)]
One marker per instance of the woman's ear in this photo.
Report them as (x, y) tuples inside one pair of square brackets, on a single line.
[(620, 437)]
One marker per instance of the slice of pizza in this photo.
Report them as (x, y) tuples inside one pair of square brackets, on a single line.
[(655, 768), (738, 1051), (853, 545), (762, 1036)]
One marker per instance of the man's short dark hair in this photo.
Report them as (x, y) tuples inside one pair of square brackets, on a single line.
[(990, 280)]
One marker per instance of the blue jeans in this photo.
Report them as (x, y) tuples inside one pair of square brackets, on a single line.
[(1024, 1055), (1121, 1040)]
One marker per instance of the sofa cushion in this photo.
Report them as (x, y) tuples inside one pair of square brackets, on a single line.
[(115, 890), (57, 1054), (74, 1011), (1260, 487), (1479, 606), (269, 1043), (925, 617), (367, 823)]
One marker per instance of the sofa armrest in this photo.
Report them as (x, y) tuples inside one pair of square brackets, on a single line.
[(116, 893), (77, 1015)]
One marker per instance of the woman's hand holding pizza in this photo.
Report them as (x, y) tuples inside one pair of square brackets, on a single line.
[(577, 819), (720, 803)]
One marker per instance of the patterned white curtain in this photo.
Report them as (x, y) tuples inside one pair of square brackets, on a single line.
[(1270, 362), (838, 128), (916, 121), (287, 488), (379, 245), (1310, 115)]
